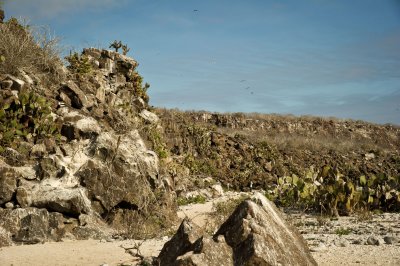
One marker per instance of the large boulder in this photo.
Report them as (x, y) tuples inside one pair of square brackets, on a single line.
[(255, 234), (78, 126), (73, 96), (120, 170), (185, 240), (259, 235), (209, 252), (31, 225), (54, 197)]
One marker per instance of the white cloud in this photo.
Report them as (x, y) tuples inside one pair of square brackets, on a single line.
[(54, 8)]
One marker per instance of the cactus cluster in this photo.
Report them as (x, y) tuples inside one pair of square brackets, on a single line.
[(331, 192), (117, 45), (27, 117)]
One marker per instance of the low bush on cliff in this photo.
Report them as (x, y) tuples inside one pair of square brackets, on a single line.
[(26, 117), (23, 47), (79, 63)]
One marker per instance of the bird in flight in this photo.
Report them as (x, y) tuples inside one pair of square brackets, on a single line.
[(195, 10)]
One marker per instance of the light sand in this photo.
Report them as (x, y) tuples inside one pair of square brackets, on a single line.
[(95, 252)]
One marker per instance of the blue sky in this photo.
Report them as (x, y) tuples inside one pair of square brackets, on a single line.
[(318, 57)]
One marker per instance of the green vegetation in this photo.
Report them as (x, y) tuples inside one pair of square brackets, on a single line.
[(139, 89), (331, 192), (79, 63), (116, 45), (155, 136), (125, 49), (26, 117), (186, 201), (343, 231)]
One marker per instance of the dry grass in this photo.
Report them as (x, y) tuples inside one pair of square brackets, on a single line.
[(28, 48)]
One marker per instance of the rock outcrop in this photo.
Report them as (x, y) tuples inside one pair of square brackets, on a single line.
[(259, 235), (254, 234), (97, 165), (32, 225)]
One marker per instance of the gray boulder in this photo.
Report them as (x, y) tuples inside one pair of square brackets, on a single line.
[(31, 225), (255, 234), (186, 239), (54, 197), (208, 253), (259, 235)]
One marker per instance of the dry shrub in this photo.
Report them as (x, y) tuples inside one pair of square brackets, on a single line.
[(155, 220), (27, 48)]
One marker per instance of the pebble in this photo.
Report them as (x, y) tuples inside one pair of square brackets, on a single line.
[(372, 240), (390, 240), (320, 248), (9, 205), (341, 243), (357, 242)]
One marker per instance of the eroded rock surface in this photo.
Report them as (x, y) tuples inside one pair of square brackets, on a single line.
[(259, 235), (255, 234)]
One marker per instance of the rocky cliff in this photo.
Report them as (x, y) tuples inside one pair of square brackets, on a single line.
[(91, 175)]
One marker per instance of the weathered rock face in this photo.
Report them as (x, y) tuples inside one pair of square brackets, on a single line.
[(185, 240), (31, 225), (8, 183), (54, 197), (208, 252), (255, 234), (5, 238), (259, 235), (189, 247), (119, 170)]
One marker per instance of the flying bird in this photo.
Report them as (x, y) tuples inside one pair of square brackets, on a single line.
[(195, 10)]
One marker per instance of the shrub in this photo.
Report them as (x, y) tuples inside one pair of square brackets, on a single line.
[(79, 63), (26, 117), (343, 231), (186, 201), (331, 192), (27, 48), (156, 138)]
